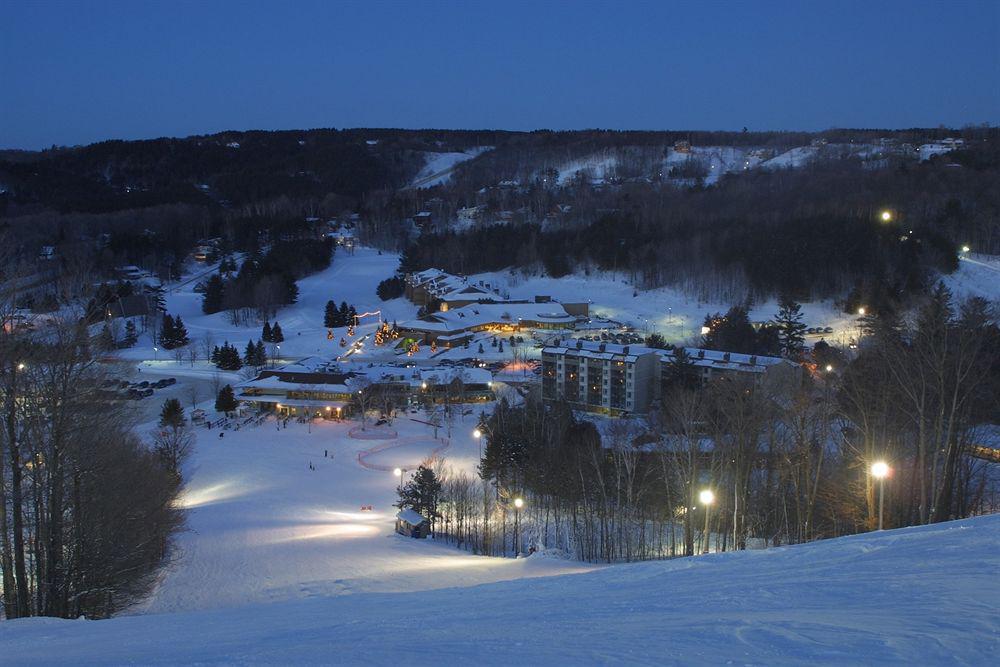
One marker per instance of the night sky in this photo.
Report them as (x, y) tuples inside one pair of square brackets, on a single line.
[(79, 72)]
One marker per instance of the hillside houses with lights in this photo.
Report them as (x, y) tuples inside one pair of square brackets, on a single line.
[(434, 285), (624, 379)]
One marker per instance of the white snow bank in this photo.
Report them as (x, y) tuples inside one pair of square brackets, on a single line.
[(927, 595)]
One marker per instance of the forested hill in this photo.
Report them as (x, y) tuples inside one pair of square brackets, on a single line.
[(235, 169), (724, 213), (228, 169)]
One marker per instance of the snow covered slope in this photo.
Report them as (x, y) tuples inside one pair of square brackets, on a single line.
[(927, 595), (439, 166), (977, 275), (274, 514)]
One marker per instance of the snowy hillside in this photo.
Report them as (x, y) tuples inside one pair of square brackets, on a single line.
[(438, 167), (265, 527), (673, 313), (977, 275), (599, 166), (927, 595)]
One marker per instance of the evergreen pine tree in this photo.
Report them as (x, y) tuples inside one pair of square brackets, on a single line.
[(680, 372), (421, 493), (215, 355), (171, 414), (791, 330), (657, 341), (330, 315), (250, 354), (215, 292), (291, 291), (107, 339), (233, 360), (276, 335), (180, 333), (343, 314), (226, 400), (260, 355), (167, 332), (731, 332), (131, 337), (266, 333)]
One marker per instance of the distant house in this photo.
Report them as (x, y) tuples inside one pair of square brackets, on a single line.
[(423, 219), (682, 146), (136, 305), (412, 524)]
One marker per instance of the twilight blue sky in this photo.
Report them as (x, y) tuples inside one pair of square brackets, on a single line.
[(78, 72)]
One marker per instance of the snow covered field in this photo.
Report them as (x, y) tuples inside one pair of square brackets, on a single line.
[(927, 595), (351, 278), (264, 527)]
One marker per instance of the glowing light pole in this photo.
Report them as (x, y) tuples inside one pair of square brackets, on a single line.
[(880, 470), (706, 498), (477, 434), (518, 504), (886, 216), (155, 350), (398, 472)]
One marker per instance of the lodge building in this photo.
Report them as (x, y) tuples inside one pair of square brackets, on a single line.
[(625, 379)]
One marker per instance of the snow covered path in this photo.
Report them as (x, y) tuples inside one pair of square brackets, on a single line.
[(928, 596), (263, 527)]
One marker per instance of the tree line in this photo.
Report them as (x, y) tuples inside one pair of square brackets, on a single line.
[(87, 507), (787, 457)]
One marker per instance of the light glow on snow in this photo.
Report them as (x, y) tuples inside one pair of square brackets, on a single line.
[(216, 493)]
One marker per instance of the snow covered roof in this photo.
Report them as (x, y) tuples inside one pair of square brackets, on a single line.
[(311, 372), (317, 374), (411, 517), (444, 285), (699, 357), (415, 376), (484, 314)]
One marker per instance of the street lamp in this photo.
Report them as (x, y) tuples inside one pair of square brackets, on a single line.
[(398, 472), (861, 311), (966, 248), (155, 350), (706, 498), (829, 368), (886, 216), (518, 504), (478, 435), (880, 470)]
